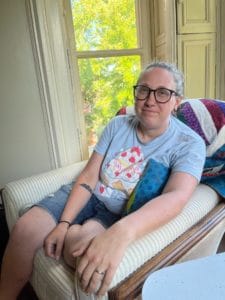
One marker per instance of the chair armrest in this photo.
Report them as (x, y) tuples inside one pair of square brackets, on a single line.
[(203, 201), (131, 287), (28, 191)]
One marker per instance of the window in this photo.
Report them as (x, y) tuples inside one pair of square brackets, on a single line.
[(110, 49), (97, 65)]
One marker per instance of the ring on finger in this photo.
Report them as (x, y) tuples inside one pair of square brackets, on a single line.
[(99, 272)]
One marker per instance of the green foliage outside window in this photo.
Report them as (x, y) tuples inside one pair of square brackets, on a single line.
[(106, 82)]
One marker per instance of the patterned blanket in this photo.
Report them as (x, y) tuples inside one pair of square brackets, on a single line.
[(207, 118)]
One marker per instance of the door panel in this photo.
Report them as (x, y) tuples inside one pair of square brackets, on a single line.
[(196, 42), (196, 16), (196, 57)]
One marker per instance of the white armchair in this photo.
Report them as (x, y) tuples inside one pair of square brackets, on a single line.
[(196, 232)]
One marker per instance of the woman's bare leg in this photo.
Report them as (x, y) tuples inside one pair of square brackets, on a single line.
[(78, 238), (25, 239)]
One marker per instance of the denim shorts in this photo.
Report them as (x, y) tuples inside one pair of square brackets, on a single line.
[(94, 209)]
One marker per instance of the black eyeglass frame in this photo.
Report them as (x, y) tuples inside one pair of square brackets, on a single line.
[(154, 92)]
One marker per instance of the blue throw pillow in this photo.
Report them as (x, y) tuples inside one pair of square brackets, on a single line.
[(149, 186)]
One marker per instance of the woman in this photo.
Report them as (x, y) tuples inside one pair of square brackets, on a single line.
[(91, 223)]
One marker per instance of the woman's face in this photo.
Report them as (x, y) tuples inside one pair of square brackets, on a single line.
[(151, 114)]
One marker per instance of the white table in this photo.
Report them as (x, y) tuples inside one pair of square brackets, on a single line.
[(200, 279)]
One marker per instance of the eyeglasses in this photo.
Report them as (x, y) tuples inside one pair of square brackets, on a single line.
[(162, 95)]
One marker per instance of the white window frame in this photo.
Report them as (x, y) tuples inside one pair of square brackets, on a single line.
[(53, 44)]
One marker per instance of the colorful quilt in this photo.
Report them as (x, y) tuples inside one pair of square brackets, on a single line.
[(207, 118)]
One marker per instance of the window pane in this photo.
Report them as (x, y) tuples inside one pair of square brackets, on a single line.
[(104, 24), (107, 85)]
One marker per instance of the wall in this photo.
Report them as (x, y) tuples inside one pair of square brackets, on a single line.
[(24, 147)]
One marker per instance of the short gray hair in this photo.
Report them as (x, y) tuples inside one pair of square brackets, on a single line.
[(172, 68)]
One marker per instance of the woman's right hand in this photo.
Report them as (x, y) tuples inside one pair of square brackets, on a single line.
[(53, 243)]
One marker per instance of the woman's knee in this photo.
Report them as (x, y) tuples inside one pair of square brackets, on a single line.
[(33, 226), (71, 238), (68, 257)]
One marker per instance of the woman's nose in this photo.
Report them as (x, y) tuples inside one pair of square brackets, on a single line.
[(151, 98)]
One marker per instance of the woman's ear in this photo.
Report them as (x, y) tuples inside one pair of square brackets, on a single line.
[(177, 103)]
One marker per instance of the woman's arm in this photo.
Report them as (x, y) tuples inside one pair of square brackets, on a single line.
[(106, 250), (79, 196), (163, 208)]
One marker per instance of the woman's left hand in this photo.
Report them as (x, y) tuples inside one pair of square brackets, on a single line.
[(98, 265)]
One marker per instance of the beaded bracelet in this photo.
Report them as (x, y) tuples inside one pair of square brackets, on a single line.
[(64, 221)]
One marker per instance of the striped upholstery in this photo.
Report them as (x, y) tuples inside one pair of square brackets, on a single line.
[(54, 280), (30, 190)]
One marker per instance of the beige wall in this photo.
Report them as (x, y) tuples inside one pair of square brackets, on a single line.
[(23, 140)]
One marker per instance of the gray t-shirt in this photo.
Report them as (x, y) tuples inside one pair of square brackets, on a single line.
[(179, 149)]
